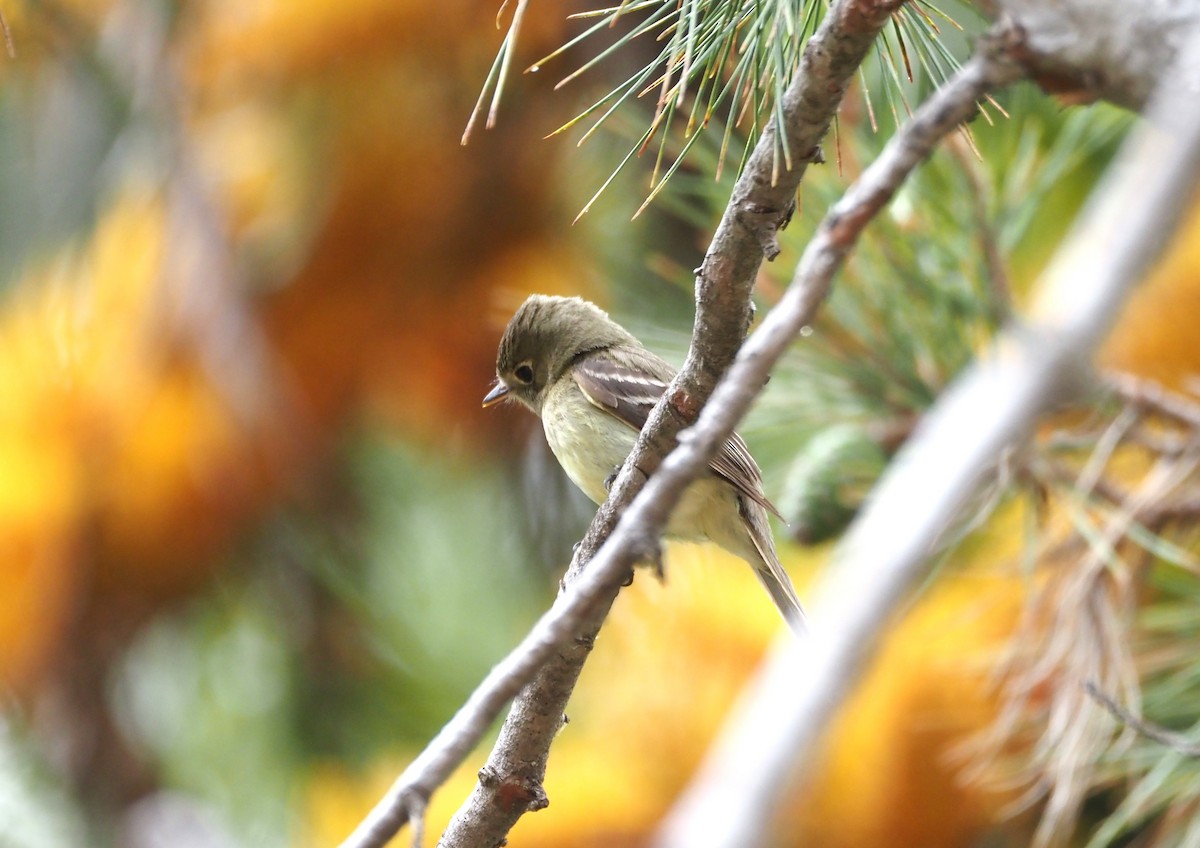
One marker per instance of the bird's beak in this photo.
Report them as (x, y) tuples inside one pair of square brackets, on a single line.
[(497, 394)]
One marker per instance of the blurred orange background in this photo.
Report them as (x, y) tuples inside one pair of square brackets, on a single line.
[(278, 272)]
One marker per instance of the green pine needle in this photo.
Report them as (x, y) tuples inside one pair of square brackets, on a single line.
[(733, 58)]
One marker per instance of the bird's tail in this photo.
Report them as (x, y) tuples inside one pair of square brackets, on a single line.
[(770, 572)]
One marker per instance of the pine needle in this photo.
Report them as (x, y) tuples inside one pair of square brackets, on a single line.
[(732, 57)]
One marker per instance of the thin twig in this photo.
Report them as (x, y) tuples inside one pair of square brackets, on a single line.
[(1143, 393), (776, 728), (416, 815), (1175, 741)]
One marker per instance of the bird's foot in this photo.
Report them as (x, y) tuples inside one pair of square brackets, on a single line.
[(650, 555)]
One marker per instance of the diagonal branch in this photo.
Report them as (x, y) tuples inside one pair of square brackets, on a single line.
[(549, 660), (761, 204), (779, 724)]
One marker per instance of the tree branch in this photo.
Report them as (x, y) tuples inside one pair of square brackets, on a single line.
[(776, 728), (1091, 49), (761, 204), (551, 657)]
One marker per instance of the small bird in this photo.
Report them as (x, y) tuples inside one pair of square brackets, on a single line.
[(593, 385)]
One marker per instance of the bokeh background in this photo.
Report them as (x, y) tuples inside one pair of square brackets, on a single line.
[(258, 539)]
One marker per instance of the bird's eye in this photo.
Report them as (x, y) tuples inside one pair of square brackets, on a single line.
[(524, 373)]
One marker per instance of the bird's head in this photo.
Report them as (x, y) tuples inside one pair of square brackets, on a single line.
[(545, 336)]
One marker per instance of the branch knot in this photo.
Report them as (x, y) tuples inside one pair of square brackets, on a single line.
[(514, 792), (764, 223)]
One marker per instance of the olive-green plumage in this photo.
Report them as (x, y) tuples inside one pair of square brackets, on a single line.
[(593, 385)]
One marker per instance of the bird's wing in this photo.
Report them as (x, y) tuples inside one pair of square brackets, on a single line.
[(629, 392), (626, 392), (734, 462)]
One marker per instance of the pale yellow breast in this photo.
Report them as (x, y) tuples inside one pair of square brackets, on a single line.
[(589, 443)]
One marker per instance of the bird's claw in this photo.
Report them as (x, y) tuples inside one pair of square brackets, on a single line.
[(650, 555)]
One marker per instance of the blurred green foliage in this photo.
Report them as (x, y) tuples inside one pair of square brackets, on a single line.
[(352, 624), (354, 619)]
